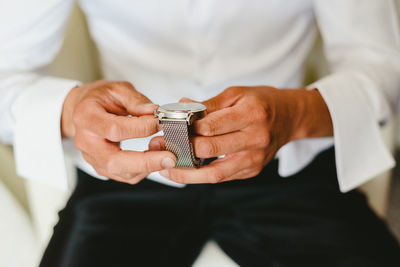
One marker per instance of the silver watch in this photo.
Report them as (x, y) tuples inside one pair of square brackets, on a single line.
[(177, 120)]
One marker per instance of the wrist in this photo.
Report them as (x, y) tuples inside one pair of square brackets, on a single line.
[(310, 116), (66, 124)]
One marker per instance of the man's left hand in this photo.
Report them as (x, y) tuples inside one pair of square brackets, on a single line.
[(249, 125)]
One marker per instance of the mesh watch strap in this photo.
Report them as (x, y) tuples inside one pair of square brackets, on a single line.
[(176, 134)]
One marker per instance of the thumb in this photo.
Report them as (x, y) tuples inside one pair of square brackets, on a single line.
[(135, 103), (143, 109), (188, 100), (223, 100)]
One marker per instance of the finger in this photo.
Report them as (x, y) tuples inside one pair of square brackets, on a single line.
[(136, 179), (210, 147), (130, 178), (111, 160), (142, 109), (244, 174), (188, 100), (99, 170), (259, 159), (113, 127), (134, 162), (157, 143), (217, 171), (214, 146), (93, 144), (95, 151), (225, 99), (223, 121), (129, 165), (133, 101)]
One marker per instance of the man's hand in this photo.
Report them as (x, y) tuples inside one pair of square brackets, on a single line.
[(249, 125), (101, 114)]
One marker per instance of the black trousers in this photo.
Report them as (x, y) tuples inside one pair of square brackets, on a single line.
[(302, 220)]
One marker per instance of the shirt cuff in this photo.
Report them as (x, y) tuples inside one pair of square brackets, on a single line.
[(360, 152), (296, 155), (37, 145)]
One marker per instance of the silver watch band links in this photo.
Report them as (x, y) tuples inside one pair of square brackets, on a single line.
[(176, 134), (177, 120)]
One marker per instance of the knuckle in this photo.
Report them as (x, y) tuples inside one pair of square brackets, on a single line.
[(177, 178), (141, 127), (106, 89), (129, 176), (257, 170), (126, 84), (101, 171), (99, 82), (253, 173), (112, 85), (207, 149), (149, 126), (134, 180), (215, 177), (113, 132), (148, 165), (88, 159), (96, 85), (122, 86), (79, 142), (207, 128), (111, 165), (264, 140), (78, 116), (203, 129), (244, 174), (259, 113), (257, 160), (234, 90)]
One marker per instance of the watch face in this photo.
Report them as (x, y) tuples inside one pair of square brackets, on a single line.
[(182, 107), (181, 111)]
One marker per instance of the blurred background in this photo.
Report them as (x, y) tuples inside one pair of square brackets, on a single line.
[(28, 210)]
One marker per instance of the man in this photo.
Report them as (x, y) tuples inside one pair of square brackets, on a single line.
[(232, 56)]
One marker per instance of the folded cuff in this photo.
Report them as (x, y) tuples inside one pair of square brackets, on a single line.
[(360, 152), (37, 144)]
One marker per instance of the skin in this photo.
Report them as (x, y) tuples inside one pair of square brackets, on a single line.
[(99, 116), (246, 124), (249, 125)]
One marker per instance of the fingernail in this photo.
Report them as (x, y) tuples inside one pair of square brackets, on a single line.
[(167, 163), (157, 145), (164, 173), (150, 106), (185, 99)]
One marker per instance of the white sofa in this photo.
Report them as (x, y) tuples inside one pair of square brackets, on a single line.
[(28, 210)]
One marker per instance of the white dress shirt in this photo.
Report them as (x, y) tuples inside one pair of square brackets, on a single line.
[(170, 49)]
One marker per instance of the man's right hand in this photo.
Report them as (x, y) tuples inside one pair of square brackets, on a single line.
[(99, 116)]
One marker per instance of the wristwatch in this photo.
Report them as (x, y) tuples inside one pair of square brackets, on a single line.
[(177, 123)]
